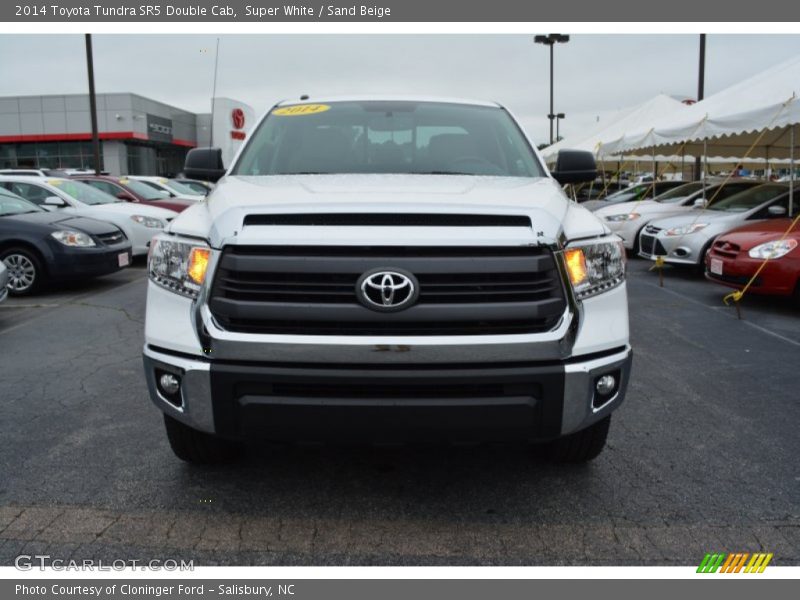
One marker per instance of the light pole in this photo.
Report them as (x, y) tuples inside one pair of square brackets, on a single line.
[(551, 39), (701, 84), (92, 104), (559, 116)]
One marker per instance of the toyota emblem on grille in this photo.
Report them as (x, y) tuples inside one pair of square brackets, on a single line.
[(387, 290)]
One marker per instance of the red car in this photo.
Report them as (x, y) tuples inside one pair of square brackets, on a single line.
[(131, 190), (735, 257)]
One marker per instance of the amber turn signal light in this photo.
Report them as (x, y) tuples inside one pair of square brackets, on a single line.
[(198, 264)]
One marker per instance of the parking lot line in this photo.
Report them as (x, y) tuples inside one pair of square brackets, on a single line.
[(71, 301), (717, 308)]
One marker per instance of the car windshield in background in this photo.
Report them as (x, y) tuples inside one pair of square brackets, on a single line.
[(143, 190), (181, 188), (744, 201), (198, 188), (11, 205), (388, 137), (82, 192), (679, 193), (631, 191)]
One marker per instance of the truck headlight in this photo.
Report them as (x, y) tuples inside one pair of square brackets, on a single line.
[(178, 266), (621, 218), (774, 249), (148, 221), (686, 229), (76, 239), (595, 267)]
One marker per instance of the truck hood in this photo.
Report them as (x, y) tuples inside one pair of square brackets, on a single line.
[(235, 197)]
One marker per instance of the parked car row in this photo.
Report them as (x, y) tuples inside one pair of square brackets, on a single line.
[(725, 229), (38, 246), (70, 224)]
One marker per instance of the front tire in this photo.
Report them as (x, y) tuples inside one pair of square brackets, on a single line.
[(25, 271), (198, 447), (581, 446)]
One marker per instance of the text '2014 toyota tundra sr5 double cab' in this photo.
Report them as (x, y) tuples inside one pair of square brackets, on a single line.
[(387, 270)]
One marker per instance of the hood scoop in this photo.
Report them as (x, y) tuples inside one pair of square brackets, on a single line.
[(388, 220)]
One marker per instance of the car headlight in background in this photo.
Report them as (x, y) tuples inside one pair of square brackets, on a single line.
[(622, 218), (75, 239), (595, 266), (686, 229), (774, 249), (178, 266), (148, 221)]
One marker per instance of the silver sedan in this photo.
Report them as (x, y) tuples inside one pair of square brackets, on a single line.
[(685, 239)]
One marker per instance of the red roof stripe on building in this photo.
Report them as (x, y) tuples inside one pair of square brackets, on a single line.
[(84, 137)]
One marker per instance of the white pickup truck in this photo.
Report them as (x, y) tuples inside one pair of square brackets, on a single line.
[(387, 270)]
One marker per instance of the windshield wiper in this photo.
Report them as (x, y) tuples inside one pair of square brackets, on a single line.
[(444, 173), (305, 173)]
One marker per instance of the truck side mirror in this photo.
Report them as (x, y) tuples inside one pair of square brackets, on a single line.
[(575, 166), (204, 163)]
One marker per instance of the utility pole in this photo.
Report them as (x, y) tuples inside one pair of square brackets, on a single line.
[(93, 104)]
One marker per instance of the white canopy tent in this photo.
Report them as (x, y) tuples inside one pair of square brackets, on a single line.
[(600, 139), (613, 128), (755, 117)]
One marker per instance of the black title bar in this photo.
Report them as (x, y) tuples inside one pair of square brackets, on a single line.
[(399, 11)]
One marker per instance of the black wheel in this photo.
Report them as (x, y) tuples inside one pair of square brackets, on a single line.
[(581, 446), (198, 447), (25, 271)]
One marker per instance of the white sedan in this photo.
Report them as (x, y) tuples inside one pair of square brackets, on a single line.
[(139, 223), (173, 187)]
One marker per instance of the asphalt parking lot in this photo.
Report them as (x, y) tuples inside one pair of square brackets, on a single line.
[(702, 456)]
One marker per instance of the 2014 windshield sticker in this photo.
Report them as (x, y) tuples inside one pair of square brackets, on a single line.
[(298, 110)]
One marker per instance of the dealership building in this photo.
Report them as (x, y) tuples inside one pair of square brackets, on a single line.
[(138, 136)]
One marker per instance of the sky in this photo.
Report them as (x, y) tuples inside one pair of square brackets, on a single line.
[(595, 75)]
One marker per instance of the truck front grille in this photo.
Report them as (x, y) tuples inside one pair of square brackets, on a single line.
[(312, 290)]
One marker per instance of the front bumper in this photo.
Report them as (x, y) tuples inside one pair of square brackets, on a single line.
[(778, 277), (70, 263), (686, 250), (527, 400)]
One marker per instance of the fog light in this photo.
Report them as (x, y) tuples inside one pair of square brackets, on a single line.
[(605, 385), (169, 384)]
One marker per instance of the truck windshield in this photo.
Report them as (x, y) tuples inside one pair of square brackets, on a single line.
[(388, 137)]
